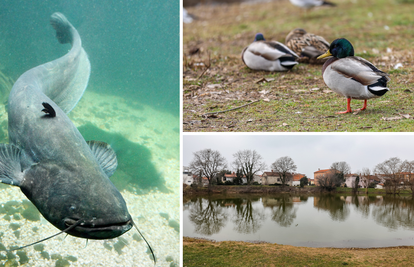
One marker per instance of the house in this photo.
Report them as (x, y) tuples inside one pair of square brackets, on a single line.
[(296, 179), (364, 181), (230, 177), (188, 178), (350, 180), (379, 186), (320, 174), (274, 178), (257, 178)]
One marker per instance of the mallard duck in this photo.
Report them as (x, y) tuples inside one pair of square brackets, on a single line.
[(307, 45), (268, 55), (311, 3), (351, 76)]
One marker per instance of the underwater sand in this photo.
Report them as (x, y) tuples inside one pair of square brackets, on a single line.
[(157, 214)]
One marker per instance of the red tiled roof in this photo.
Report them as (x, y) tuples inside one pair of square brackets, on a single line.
[(321, 171), (297, 177)]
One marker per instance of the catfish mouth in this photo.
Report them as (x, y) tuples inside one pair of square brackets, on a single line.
[(90, 230)]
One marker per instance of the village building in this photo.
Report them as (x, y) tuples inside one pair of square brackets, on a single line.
[(274, 178), (296, 179), (188, 178), (321, 174)]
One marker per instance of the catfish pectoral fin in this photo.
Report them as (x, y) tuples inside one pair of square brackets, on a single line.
[(105, 155), (10, 167)]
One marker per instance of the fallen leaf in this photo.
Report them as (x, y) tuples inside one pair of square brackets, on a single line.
[(249, 120), (266, 100), (391, 118), (264, 91), (315, 89), (407, 91), (285, 124), (407, 116), (213, 86), (366, 127), (260, 80)]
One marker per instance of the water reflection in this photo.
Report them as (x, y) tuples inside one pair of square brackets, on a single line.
[(393, 212), (312, 221), (283, 211), (335, 205), (247, 220), (207, 216)]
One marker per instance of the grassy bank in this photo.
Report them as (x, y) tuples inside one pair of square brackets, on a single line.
[(215, 78), (199, 252)]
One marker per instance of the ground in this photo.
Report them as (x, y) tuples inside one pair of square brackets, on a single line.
[(215, 78), (200, 252)]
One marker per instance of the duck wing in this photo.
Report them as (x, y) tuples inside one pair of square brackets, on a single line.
[(360, 70), (318, 42), (271, 50)]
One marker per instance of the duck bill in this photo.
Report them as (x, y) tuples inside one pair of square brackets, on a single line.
[(327, 54)]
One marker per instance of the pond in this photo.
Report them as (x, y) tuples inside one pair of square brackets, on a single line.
[(316, 221)]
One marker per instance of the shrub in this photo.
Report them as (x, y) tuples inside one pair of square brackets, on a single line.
[(229, 183)]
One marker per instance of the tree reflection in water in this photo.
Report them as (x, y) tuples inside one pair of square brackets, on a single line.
[(208, 216), (394, 212), (335, 205), (247, 220), (283, 211)]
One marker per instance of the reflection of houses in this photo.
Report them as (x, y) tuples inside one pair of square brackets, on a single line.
[(322, 174), (275, 202), (274, 178), (361, 199)]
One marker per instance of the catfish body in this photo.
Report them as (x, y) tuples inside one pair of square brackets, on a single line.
[(65, 177)]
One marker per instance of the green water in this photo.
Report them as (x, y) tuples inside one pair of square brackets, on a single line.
[(133, 46), (131, 103)]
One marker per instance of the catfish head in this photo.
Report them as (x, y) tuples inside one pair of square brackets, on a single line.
[(81, 194)]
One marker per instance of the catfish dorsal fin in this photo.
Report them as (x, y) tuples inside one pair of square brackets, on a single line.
[(10, 167), (105, 155)]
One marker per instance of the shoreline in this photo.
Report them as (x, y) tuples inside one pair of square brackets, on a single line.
[(200, 252), (232, 190)]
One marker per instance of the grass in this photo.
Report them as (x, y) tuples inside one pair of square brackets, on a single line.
[(198, 252), (297, 100)]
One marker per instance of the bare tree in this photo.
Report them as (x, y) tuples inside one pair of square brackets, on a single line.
[(343, 169), (391, 170), (285, 167), (364, 176), (249, 162), (328, 181), (208, 163), (355, 185), (409, 167)]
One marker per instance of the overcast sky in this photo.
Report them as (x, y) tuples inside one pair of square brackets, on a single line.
[(310, 151)]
